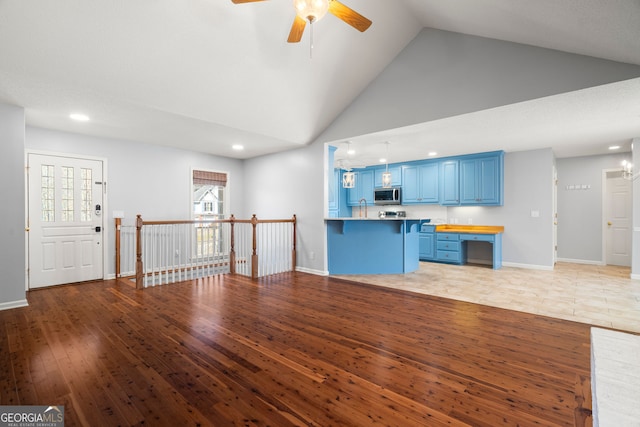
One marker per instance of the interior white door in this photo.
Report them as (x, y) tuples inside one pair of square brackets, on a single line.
[(618, 220), (65, 220), (555, 215)]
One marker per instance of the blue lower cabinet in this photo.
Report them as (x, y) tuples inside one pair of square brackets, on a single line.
[(450, 249), (427, 246)]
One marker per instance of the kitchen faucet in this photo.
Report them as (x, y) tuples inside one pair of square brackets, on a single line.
[(360, 207)]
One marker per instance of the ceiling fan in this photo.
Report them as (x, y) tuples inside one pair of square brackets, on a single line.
[(313, 10)]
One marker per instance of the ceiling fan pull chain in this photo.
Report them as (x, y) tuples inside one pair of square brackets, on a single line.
[(311, 39)]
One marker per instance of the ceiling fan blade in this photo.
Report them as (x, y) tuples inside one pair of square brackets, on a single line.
[(244, 1), (295, 35), (349, 16)]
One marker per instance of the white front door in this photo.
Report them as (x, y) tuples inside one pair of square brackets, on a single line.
[(618, 220), (65, 220)]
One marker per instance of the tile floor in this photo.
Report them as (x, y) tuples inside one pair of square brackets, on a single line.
[(598, 295)]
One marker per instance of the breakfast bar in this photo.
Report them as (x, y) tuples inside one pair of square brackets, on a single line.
[(372, 245)]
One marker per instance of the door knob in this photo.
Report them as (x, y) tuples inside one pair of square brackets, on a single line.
[(609, 223)]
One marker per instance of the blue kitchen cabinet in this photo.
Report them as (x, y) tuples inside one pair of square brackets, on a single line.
[(334, 193), (450, 249), (427, 243), (449, 183), (420, 183), (396, 175), (363, 188), (481, 180)]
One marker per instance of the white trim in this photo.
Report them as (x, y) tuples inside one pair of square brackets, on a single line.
[(312, 271), (528, 266), (581, 261), (13, 304), (106, 226), (635, 276)]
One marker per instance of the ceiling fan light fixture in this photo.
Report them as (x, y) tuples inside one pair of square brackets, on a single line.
[(311, 10)]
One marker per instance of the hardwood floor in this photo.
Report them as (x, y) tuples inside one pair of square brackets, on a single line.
[(292, 349)]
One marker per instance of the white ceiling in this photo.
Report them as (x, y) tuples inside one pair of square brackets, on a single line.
[(206, 74)]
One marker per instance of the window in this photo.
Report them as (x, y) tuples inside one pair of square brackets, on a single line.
[(209, 195), (209, 190)]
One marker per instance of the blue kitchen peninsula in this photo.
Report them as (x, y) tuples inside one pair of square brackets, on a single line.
[(372, 246)]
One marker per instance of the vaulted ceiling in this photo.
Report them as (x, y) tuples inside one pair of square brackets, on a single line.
[(206, 74)]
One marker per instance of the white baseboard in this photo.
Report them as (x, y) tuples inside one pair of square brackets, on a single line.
[(13, 304), (312, 271), (580, 261), (635, 276), (528, 266)]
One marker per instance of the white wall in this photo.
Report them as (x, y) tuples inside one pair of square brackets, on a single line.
[(292, 183), (12, 223), (144, 179), (635, 249), (580, 211), (443, 74)]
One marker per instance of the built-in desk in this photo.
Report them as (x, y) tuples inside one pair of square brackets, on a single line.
[(449, 242)]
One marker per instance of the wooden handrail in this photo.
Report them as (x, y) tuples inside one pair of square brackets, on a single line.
[(254, 221)]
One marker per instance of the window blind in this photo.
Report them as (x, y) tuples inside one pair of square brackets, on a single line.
[(209, 178)]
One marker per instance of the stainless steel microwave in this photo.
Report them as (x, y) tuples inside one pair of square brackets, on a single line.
[(387, 196)]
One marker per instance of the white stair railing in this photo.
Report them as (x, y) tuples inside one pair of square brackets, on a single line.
[(172, 251)]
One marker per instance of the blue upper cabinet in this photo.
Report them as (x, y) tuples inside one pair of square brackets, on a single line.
[(449, 183), (481, 180), (396, 175), (363, 188), (420, 183), (334, 192)]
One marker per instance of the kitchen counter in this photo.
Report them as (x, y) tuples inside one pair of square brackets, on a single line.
[(372, 245), (373, 218)]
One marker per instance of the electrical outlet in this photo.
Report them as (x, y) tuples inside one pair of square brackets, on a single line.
[(312, 255)]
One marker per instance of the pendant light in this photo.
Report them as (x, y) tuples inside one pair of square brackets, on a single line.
[(386, 175), (349, 177)]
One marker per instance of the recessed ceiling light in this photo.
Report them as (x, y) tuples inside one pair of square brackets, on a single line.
[(79, 117), (383, 160), (237, 147), (432, 153), (614, 147)]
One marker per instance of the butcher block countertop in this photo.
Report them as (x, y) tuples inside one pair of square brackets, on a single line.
[(475, 229)]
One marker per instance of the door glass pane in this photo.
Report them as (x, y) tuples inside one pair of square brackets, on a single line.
[(86, 208), (47, 179), (67, 193)]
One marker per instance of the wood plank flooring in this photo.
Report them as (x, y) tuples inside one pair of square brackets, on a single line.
[(289, 350)]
